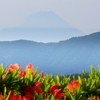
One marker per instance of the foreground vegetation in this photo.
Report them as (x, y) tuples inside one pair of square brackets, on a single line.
[(16, 84)]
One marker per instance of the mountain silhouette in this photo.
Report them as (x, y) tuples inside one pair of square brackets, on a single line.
[(41, 27), (65, 57), (47, 19)]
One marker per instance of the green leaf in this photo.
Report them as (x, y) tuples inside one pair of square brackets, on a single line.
[(57, 79), (98, 91), (99, 71), (52, 97), (1, 69), (47, 88)]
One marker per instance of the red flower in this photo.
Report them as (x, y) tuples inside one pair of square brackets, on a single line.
[(95, 98), (57, 91), (28, 96), (19, 97), (37, 83), (37, 87), (58, 94), (52, 88), (85, 98), (22, 73), (29, 66), (13, 97), (94, 86), (29, 91), (42, 74), (72, 86)]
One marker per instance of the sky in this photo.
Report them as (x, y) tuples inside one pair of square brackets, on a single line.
[(82, 14)]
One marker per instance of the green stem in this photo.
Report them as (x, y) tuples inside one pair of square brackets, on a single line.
[(4, 92), (8, 95)]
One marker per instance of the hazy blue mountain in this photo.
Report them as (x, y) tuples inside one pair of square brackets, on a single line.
[(41, 25), (65, 57), (47, 19)]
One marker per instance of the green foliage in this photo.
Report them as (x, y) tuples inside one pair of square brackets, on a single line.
[(50, 87)]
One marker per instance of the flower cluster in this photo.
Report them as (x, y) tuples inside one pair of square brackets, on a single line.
[(28, 84)]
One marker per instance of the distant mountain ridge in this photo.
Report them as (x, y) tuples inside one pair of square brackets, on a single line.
[(41, 27), (65, 57)]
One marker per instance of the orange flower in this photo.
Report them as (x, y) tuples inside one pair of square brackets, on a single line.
[(1, 97), (18, 66), (11, 68), (3, 76), (33, 71), (72, 86), (52, 88), (73, 94)]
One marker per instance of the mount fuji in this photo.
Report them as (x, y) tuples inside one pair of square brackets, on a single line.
[(41, 27)]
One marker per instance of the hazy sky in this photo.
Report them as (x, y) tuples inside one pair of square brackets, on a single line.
[(82, 14)]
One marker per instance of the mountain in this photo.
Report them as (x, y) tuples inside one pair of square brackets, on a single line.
[(65, 57), (43, 19), (41, 27)]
